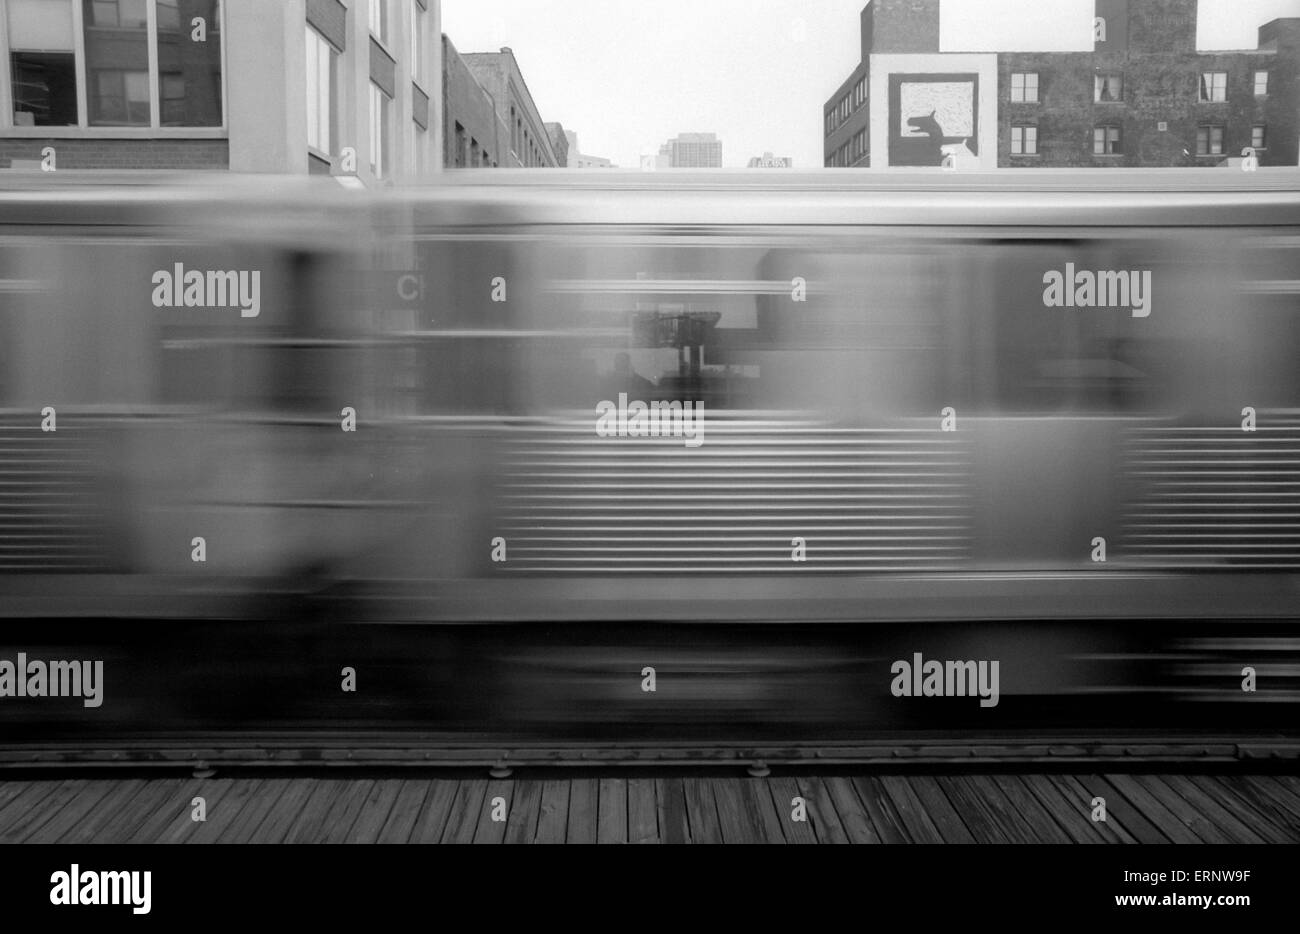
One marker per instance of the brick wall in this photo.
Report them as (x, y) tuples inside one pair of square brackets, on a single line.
[(192, 154), (1157, 87), (905, 26)]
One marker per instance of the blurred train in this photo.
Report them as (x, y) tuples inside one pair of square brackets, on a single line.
[(706, 398)]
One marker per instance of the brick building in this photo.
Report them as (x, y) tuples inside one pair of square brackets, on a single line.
[(526, 141), (1133, 90), (343, 87), (474, 135)]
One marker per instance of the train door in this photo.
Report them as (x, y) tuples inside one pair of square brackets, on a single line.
[(1065, 354)]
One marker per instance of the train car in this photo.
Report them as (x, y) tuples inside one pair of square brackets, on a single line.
[(996, 398), (176, 358), (767, 434)]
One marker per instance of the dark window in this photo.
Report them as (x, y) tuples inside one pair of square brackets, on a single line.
[(45, 88), (117, 62), (189, 70)]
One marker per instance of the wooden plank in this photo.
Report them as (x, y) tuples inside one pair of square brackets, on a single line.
[(975, 812), (174, 803), (222, 816), (90, 829), (346, 810), (1237, 831), (1276, 792), (554, 817), (850, 810), (462, 820), (126, 818), (1259, 799), (243, 829), (737, 819), (670, 800), (642, 811), (310, 822), (374, 813), (1016, 826), (910, 809), (783, 791), (73, 812), (182, 825), (1040, 822), (489, 830), (612, 811), (1079, 796), (825, 821), (11, 790), (583, 808), (702, 811), (945, 817), (291, 803), (27, 806), (525, 810), (31, 815), (1074, 820), (1184, 810), (406, 811), (1134, 805), (1224, 796), (880, 808), (756, 797)]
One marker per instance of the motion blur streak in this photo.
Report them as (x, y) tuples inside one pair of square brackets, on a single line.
[(832, 326)]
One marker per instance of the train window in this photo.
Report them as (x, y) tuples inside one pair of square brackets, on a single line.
[(1048, 357)]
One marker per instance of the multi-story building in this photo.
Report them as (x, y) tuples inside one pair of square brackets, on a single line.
[(580, 160), (474, 134), (691, 151), (769, 161), (527, 143), (344, 87), (1126, 88)]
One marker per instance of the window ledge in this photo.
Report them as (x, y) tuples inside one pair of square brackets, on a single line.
[(101, 132)]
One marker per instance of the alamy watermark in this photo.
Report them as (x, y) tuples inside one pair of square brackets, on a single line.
[(932, 678), (1101, 289), (212, 288), (35, 678), (654, 420)]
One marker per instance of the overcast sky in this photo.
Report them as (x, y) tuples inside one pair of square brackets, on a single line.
[(628, 74)]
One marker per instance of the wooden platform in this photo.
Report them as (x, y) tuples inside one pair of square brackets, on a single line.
[(630, 808)]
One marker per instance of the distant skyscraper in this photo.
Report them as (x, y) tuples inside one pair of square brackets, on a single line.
[(769, 161), (692, 151)]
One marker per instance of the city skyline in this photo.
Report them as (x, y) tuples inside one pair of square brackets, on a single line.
[(755, 73)]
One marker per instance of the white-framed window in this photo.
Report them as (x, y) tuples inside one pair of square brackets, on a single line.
[(1107, 141), (1209, 140), (1108, 88), (1024, 87), (1024, 140), (379, 19), (1259, 136), (380, 122), (113, 63), (418, 15), (1214, 86), (1261, 83), (322, 78)]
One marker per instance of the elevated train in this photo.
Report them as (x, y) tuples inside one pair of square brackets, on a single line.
[(1036, 412)]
